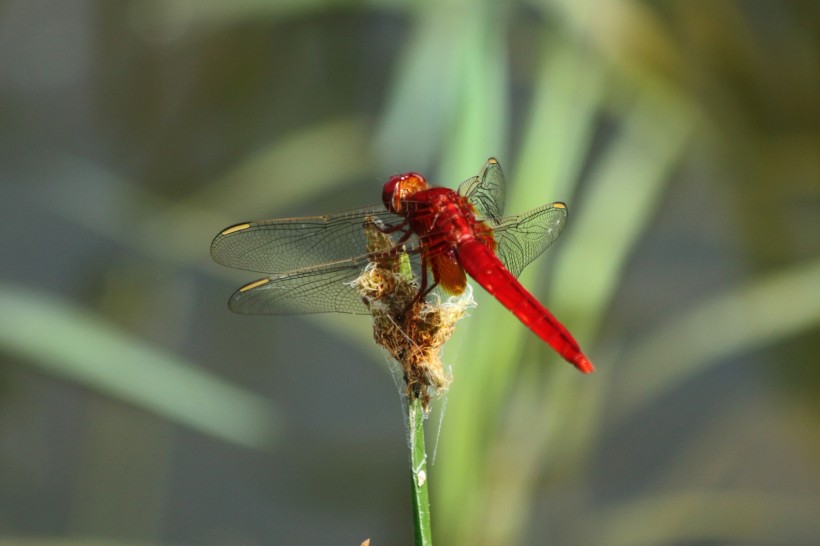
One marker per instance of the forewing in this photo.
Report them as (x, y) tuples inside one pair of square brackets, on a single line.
[(522, 238), (278, 246), (487, 190)]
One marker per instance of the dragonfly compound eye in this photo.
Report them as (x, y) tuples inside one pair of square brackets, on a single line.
[(400, 187)]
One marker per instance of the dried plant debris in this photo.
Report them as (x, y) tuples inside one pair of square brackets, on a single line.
[(413, 331)]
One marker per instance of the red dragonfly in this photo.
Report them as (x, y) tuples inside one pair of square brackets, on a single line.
[(314, 259)]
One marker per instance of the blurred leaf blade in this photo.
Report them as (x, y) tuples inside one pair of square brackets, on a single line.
[(180, 232), (477, 129), (624, 194), (690, 515), (618, 183), (74, 345), (562, 123), (431, 78), (560, 129), (761, 313)]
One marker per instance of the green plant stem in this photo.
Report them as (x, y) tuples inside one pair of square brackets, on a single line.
[(418, 469)]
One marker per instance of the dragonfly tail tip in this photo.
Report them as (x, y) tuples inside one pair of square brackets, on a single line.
[(584, 365)]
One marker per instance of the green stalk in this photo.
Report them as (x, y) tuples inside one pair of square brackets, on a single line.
[(418, 470)]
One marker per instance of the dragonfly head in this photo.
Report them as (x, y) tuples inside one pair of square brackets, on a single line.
[(399, 188)]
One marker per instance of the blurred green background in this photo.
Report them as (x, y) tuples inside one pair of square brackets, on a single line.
[(684, 136)]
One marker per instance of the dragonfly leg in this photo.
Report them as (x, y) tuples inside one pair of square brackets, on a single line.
[(387, 229), (423, 293), (423, 289), (394, 228)]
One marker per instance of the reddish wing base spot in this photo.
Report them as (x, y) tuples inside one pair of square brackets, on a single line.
[(484, 234), (448, 273)]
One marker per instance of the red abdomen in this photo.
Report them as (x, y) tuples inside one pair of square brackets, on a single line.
[(484, 266)]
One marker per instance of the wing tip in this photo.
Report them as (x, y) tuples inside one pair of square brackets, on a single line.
[(217, 242)]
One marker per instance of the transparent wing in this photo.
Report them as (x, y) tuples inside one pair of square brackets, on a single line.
[(319, 289), (277, 246), (522, 238), (487, 190)]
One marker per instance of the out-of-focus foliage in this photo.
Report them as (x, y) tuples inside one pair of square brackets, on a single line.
[(684, 136)]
